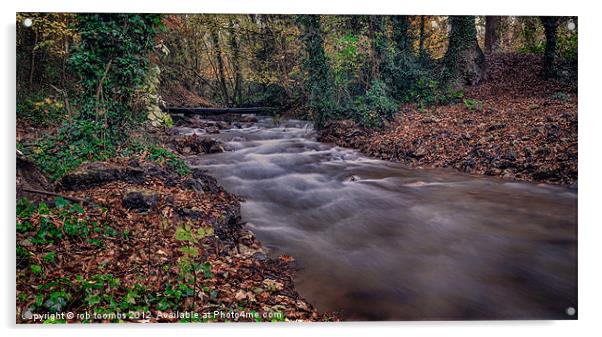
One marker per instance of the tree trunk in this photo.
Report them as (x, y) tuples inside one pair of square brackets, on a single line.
[(550, 26), (464, 58), (234, 46), (318, 84), (376, 28), (422, 37), (220, 65), (33, 61), (492, 34), (401, 36)]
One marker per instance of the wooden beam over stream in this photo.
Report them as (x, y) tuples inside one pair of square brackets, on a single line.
[(217, 111)]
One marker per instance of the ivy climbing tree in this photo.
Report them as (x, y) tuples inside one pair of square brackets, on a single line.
[(318, 82), (112, 61), (464, 59), (407, 71)]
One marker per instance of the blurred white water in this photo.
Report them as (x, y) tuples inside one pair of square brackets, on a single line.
[(377, 241)]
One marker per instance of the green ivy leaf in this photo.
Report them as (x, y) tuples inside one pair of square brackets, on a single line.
[(36, 269), (192, 251)]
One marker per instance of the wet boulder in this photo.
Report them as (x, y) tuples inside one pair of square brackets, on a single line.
[(211, 145), (194, 144), (245, 118), (209, 183), (140, 199)]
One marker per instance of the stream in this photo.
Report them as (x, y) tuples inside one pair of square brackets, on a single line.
[(375, 240)]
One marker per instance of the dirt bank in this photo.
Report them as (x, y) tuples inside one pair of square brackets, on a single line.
[(515, 125), (146, 244)]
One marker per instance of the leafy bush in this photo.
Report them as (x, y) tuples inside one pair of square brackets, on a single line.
[(473, 104), (560, 96), (73, 144), (43, 110), (567, 45), (347, 62), (171, 160), (375, 107), (428, 91), (537, 48)]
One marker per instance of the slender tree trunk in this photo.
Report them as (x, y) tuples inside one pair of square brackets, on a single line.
[(401, 36), (492, 34), (33, 61), (422, 37), (234, 46), (550, 26), (376, 34), (464, 58), (64, 61), (220, 65)]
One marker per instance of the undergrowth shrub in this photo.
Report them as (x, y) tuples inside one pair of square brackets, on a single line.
[(428, 91), (169, 159), (372, 109), (42, 110), (73, 144)]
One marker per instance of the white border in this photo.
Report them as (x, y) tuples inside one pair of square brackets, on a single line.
[(590, 124)]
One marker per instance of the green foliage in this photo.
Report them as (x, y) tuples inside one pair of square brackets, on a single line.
[(73, 144), (25, 208), (537, 48), (381, 53), (348, 62), (473, 104), (318, 82), (112, 61), (165, 157), (560, 96), (189, 268), (424, 91), (278, 317), (187, 234), (36, 269), (375, 107), (50, 257), (427, 91), (23, 257), (63, 220), (530, 33), (42, 50), (41, 110), (567, 45), (266, 94)]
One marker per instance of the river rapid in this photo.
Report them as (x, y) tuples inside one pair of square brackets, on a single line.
[(375, 240)]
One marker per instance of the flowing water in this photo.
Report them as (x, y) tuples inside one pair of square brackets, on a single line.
[(377, 241)]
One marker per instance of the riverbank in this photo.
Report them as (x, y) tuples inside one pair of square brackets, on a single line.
[(515, 126), (133, 239)]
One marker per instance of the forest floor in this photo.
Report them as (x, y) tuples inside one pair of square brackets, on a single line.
[(515, 125), (129, 239)]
